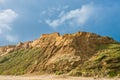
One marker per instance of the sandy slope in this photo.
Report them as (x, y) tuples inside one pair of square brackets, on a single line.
[(49, 77)]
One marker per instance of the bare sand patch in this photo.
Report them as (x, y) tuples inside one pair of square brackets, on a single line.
[(50, 77)]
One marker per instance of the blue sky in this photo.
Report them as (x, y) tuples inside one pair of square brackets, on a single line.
[(24, 20)]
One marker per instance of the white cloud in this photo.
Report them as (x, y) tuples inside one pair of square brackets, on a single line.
[(11, 38), (7, 17), (58, 8), (54, 23), (77, 17), (52, 11)]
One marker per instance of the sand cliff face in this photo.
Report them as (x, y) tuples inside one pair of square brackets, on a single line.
[(53, 52), (82, 39)]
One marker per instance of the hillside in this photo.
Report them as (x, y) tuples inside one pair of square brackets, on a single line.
[(105, 63), (79, 54)]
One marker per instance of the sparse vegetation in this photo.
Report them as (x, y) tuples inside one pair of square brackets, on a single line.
[(19, 62), (59, 72), (105, 63), (112, 73)]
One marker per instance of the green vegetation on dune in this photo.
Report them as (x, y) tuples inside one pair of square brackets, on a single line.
[(19, 62), (106, 63)]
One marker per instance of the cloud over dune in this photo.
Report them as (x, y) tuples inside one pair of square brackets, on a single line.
[(7, 17), (76, 17)]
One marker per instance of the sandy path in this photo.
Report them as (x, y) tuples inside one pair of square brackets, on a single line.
[(49, 77)]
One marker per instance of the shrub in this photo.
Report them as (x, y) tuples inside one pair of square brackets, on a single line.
[(112, 73), (59, 72)]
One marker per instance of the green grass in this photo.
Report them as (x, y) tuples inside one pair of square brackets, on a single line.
[(105, 63), (19, 62), (112, 73), (59, 72)]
